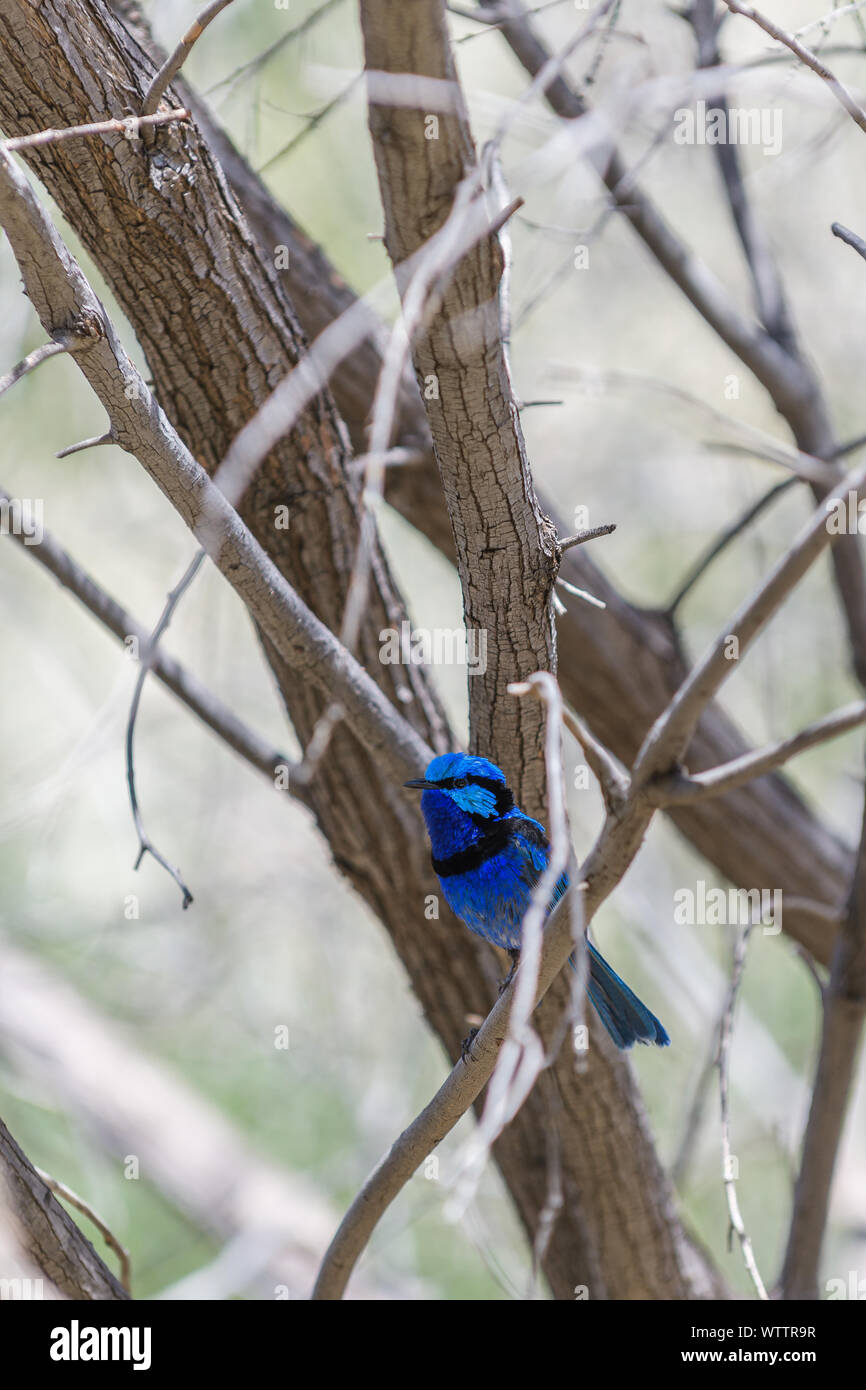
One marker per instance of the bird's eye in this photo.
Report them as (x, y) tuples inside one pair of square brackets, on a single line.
[(460, 782)]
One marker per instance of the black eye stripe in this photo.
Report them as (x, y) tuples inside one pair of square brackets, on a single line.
[(504, 797), (455, 783)]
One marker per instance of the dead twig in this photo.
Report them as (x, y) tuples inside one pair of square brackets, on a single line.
[(61, 1190)]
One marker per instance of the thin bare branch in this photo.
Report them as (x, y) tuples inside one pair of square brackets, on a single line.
[(729, 1168), (145, 844), (255, 65), (61, 1190), (850, 238), (770, 302), (735, 529), (574, 589), (806, 56), (666, 741), (175, 61), (454, 1097), (611, 777), (678, 788), (130, 126), (313, 122), (756, 441), (583, 536), (272, 762), (93, 443), (30, 362), (59, 291)]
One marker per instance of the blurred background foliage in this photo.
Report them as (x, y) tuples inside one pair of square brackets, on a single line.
[(274, 937)]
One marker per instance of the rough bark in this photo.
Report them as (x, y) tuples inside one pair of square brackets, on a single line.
[(47, 1234)]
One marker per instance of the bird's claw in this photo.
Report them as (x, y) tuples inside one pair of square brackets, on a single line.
[(466, 1045)]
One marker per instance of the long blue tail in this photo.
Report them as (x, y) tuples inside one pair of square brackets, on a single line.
[(625, 1017)]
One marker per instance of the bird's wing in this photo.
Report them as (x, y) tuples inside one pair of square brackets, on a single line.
[(537, 854)]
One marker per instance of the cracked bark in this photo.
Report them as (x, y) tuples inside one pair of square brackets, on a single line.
[(507, 559), (505, 546), (47, 1234)]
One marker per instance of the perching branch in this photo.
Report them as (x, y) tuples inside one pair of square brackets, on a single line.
[(770, 300), (616, 847), (451, 1102), (94, 442), (521, 1056)]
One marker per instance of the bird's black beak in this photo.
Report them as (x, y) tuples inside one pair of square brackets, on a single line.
[(420, 783)]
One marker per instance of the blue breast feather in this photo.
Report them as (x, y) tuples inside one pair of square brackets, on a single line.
[(492, 898)]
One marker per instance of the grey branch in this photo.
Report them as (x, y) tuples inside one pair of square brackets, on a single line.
[(590, 535), (806, 56), (454, 1097), (667, 740), (610, 776), (57, 288), (61, 1190), (32, 360), (116, 619), (94, 442), (173, 64), (128, 126), (850, 238), (679, 788), (724, 540)]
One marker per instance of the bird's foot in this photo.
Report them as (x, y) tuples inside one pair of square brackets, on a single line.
[(466, 1045)]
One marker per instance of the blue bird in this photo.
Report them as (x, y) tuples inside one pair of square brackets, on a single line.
[(488, 857)]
